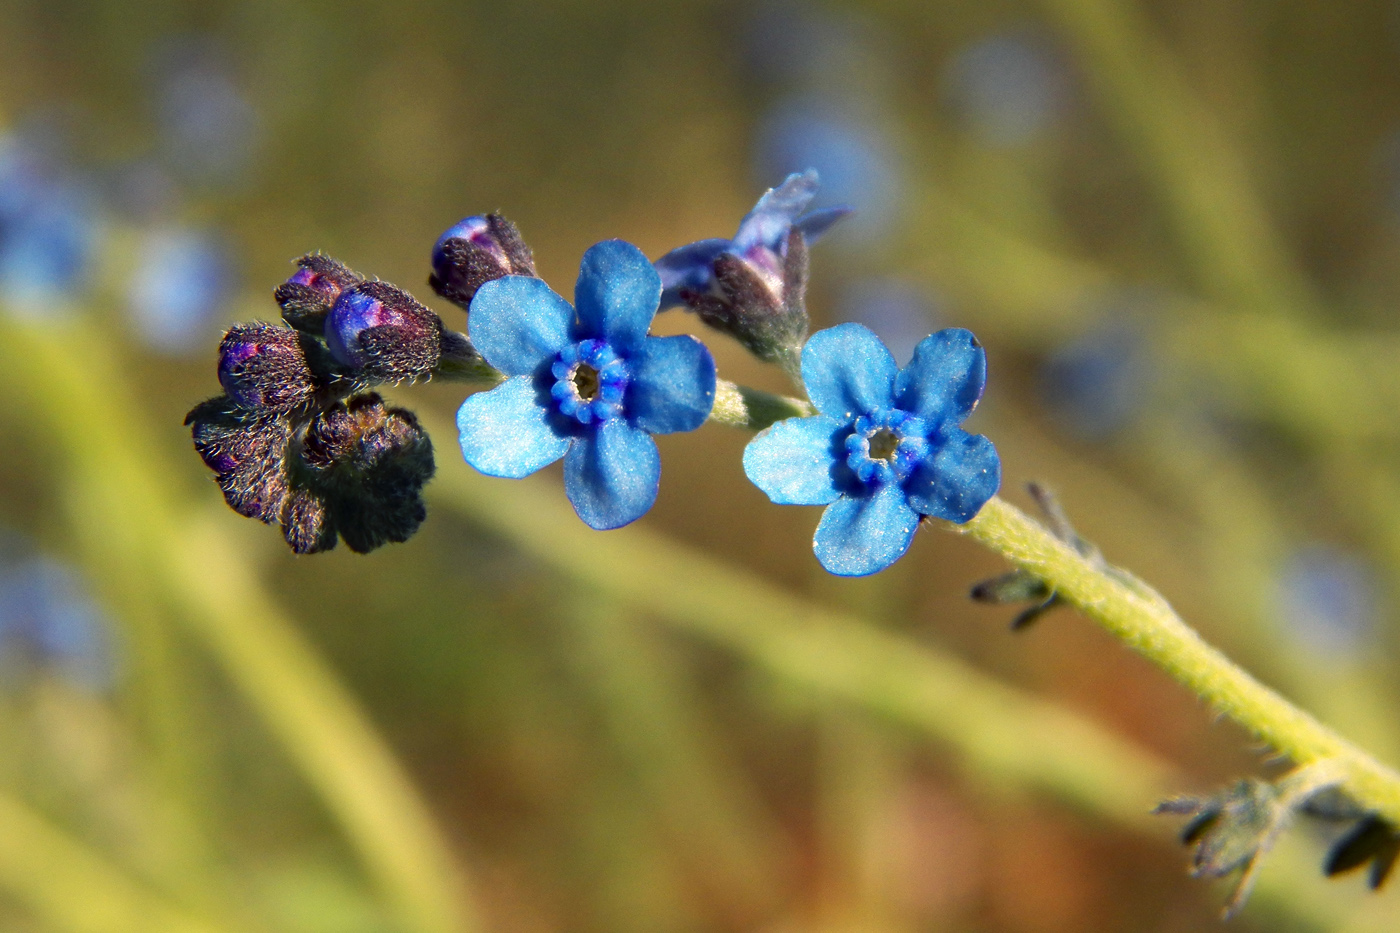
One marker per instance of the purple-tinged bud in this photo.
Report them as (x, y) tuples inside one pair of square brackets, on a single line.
[(308, 296), (765, 310), (307, 524), (265, 366), (373, 461), (247, 451), (475, 251), (383, 333)]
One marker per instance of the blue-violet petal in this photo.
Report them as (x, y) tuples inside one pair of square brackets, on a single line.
[(617, 294), (771, 218), (944, 380), (860, 535), (958, 480), (507, 431), (848, 371), (673, 385), (611, 474), (518, 323), (795, 462), (688, 268)]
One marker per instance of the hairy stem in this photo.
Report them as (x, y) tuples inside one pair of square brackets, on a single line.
[(1141, 619), (742, 407)]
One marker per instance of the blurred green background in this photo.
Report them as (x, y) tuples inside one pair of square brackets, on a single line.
[(1175, 225)]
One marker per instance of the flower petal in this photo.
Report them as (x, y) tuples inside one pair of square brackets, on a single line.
[(958, 480), (795, 461), (688, 268), (611, 474), (617, 294), (518, 323), (944, 380), (860, 535), (771, 218), (848, 371), (815, 224), (673, 384), (508, 431)]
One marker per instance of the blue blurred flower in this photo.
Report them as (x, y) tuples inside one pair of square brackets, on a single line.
[(898, 313), (588, 385), (1010, 88), (47, 619), (209, 130), (50, 227), (886, 447), (1097, 383), (1327, 599), (851, 151), (178, 287), (760, 242)]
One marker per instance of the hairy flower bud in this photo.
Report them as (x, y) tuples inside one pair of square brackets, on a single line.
[(373, 462), (308, 296), (306, 522), (753, 286), (265, 366), (382, 332), (475, 251), (247, 451)]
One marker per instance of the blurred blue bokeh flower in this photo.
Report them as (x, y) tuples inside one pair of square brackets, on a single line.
[(48, 620), (886, 447), (761, 241), (589, 385), (1097, 383), (178, 287), (1009, 88), (899, 313), (50, 229), (209, 129), (1328, 600), (850, 150)]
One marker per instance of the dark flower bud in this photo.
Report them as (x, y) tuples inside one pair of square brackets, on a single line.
[(247, 451), (760, 299), (265, 366), (475, 251), (307, 523), (373, 462), (308, 296), (382, 332)]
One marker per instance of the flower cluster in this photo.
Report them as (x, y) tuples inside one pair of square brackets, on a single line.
[(297, 439)]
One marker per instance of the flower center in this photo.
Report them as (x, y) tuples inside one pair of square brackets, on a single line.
[(886, 446), (590, 380), (883, 444), (585, 381)]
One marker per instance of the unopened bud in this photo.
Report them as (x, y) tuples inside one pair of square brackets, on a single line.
[(307, 523), (308, 296), (265, 366), (373, 461), (247, 451), (382, 332), (475, 251)]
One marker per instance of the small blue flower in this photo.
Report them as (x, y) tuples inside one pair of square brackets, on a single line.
[(589, 385), (885, 448), (761, 241)]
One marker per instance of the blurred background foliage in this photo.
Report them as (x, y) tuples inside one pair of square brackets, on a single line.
[(1175, 225)]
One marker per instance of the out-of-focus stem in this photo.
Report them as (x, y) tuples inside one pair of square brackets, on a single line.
[(1144, 621)]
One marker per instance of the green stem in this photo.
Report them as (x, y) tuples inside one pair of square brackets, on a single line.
[(742, 407), (1142, 620)]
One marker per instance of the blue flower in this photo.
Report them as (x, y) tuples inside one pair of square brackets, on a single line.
[(589, 385), (885, 448), (761, 241)]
